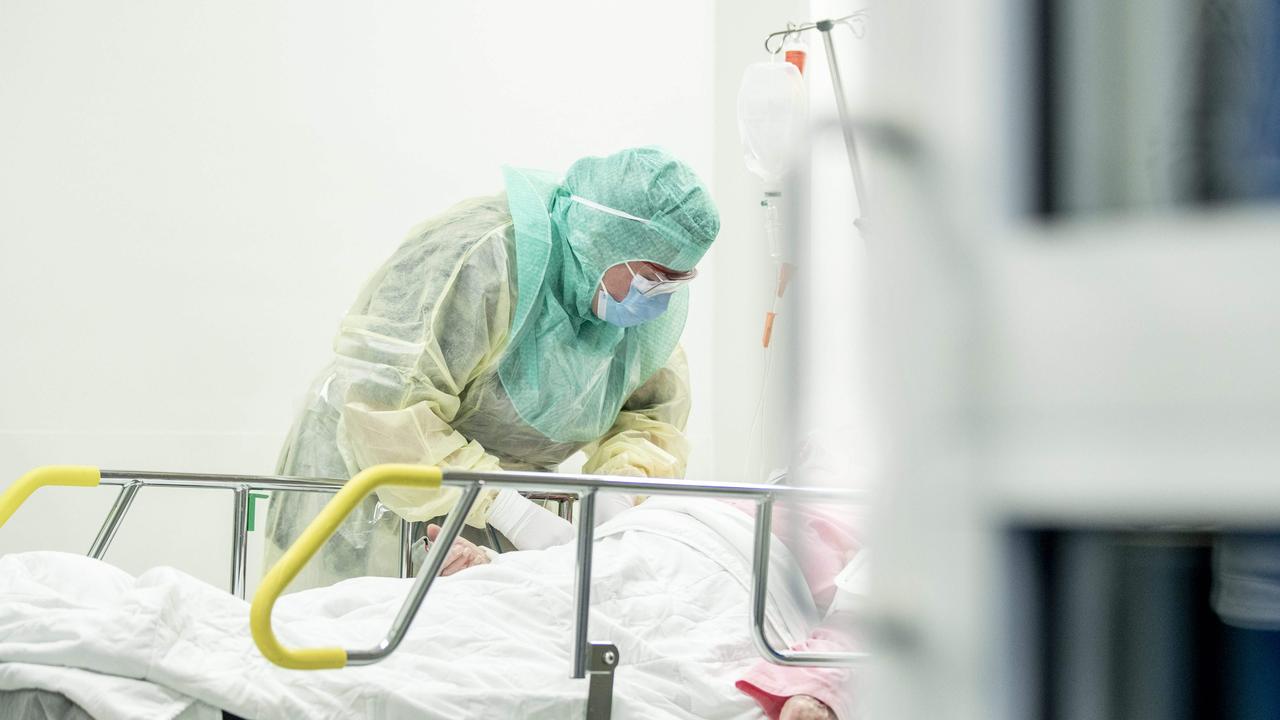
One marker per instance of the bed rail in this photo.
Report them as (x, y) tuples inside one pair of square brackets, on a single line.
[(594, 659), (241, 487), (587, 486)]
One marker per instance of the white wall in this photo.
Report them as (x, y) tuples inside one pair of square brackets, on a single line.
[(191, 194)]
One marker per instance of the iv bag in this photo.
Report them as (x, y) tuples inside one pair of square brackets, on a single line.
[(773, 114)]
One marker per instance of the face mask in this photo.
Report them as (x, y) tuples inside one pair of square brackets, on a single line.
[(636, 307)]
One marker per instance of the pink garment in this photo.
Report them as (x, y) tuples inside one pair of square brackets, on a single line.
[(823, 542), (822, 539)]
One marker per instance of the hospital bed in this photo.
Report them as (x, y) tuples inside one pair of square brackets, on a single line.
[(592, 661)]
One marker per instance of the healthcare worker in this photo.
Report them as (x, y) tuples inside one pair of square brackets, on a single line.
[(508, 333)]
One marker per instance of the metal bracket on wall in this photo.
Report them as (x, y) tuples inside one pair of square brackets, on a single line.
[(600, 665)]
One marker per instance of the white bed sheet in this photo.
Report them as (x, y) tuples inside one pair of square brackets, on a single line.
[(669, 588), (104, 697)]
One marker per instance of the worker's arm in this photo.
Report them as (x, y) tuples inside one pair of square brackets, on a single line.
[(432, 319), (647, 439)]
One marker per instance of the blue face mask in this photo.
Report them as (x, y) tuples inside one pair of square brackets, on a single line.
[(633, 309)]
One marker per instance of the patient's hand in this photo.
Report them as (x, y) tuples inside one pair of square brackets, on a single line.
[(462, 555), (806, 707)]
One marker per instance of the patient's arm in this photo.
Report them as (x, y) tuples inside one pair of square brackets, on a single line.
[(804, 693), (829, 542)]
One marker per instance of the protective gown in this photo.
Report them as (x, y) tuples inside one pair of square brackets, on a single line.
[(473, 347)]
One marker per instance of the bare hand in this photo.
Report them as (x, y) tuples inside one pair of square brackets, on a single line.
[(461, 556), (806, 707)]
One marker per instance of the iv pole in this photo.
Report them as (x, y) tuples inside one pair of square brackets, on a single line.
[(842, 105)]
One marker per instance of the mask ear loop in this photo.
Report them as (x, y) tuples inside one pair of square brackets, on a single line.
[(602, 304), (602, 293)]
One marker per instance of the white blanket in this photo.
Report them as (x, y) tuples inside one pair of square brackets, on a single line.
[(668, 587)]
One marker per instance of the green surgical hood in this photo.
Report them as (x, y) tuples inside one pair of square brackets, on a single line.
[(567, 371)]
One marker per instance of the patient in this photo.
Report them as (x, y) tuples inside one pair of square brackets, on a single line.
[(829, 545), (783, 692), (669, 588)]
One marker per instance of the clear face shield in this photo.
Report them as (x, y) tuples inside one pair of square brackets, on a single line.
[(651, 281)]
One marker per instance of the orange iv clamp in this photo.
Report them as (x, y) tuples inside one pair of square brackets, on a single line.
[(784, 278)]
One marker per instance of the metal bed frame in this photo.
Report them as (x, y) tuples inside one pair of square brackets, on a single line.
[(595, 661)]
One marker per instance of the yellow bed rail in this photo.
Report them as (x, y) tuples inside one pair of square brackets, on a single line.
[(65, 475), (297, 556)]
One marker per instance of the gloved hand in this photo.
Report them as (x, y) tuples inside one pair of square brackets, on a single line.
[(461, 556), (806, 707), (609, 505)]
